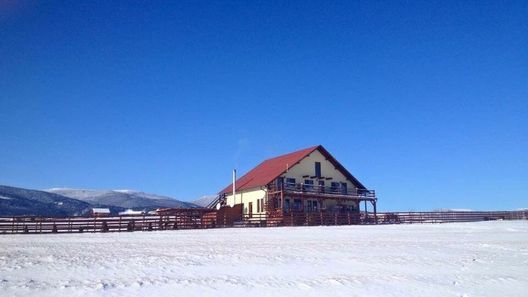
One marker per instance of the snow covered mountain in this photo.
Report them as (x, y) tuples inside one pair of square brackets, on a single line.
[(122, 198), (204, 200), (20, 202)]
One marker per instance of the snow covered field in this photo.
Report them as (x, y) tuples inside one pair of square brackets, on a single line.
[(463, 259)]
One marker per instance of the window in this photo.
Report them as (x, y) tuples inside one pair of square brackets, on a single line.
[(297, 204), (308, 184), (343, 188), (312, 206), (290, 183), (258, 205), (318, 169), (334, 186)]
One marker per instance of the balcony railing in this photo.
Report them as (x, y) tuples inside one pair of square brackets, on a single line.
[(324, 190)]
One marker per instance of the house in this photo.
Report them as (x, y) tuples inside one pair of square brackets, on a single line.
[(306, 182), (100, 212)]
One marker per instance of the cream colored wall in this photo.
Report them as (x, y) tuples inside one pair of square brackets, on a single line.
[(247, 196), (307, 167)]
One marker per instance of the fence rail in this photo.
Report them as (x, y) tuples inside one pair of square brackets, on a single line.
[(203, 220)]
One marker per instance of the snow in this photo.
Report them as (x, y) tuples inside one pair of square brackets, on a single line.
[(452, 209), (126, 191), (460, 259), (101, 210), (130, 212)]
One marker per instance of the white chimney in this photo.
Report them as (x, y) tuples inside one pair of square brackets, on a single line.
[(234, 186)]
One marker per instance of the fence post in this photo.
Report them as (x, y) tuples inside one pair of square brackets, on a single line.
[(104, 227)]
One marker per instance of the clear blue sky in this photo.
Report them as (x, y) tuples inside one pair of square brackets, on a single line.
[(427, 102)]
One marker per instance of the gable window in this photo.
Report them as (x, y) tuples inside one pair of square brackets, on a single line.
[(318, 169), (308, 184), (334, 186), (344, 188)]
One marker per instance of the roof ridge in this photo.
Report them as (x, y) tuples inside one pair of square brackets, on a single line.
[(311, 148)]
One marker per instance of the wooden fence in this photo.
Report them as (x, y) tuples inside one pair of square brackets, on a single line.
[(446, 216), (294, 218), (211, 219), (105, 224)]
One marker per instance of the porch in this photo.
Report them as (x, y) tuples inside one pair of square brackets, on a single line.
[(302, 204)]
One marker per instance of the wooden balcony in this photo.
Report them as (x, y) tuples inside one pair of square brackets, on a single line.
[(307, 190)]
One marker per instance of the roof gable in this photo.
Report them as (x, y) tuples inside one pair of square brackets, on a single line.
[(269, 170)]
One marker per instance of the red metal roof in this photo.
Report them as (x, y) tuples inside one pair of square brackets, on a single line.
[(270, 169)]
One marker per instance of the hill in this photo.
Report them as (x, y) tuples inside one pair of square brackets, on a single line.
[(122, 198), (18, 202)]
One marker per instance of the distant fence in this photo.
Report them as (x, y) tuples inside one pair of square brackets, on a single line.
[(203, 219), (448, 216)]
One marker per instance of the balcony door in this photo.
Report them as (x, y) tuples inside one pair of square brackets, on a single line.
[(344, 189)]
